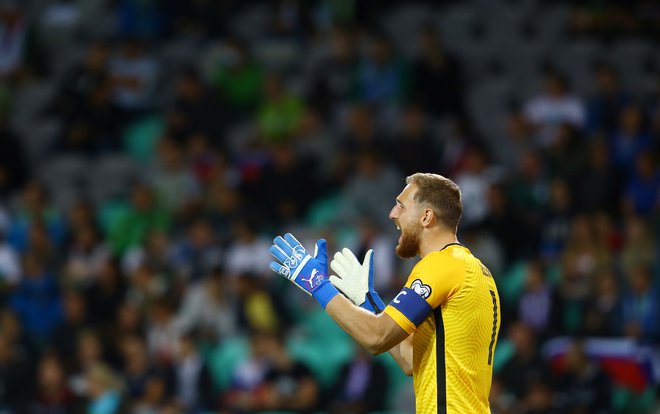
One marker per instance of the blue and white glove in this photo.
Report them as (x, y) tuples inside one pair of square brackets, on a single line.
[(356, 280), (309, 273)]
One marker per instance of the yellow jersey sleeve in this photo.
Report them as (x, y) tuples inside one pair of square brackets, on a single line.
[(432, 282)]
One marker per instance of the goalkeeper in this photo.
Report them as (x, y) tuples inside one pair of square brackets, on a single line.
[(442, 326)]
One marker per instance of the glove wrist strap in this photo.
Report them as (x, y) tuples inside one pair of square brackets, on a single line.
[(324, 293)]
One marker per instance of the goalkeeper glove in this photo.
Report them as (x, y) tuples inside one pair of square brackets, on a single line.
[(356, 280), (309, 273)]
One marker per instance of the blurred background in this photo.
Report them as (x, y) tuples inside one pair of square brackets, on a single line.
[(150, 150)]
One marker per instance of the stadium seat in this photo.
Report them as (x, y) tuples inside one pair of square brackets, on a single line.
[(112, 178), (65, 176)]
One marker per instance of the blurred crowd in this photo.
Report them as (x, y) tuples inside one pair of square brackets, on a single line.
[(139, 283)]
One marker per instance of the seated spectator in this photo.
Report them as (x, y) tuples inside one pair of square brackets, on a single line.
[(414, 148), (258, 309), (172, 179), (82, 81), (629, 140), (154, 399), (526, 367), (208, 306), (474, 179), (437, 80), (19, 52), (15, 376), (246, 392), (248, 250), (86, 256), (90, 350), (597, 186), (163, 332), (200, 109), (74, 321), (237, 76), (193, 386), (360, 384), (134, 73), (333, 79), (359, 199), (279, 113), (136, 366), (557, 220), (288, 384), (104, 391), (641, 306), (605, 105), (36, 299), (52, 394), (143, 216), (286, 203), (555, 106), (583, 384), (34, 207), (604, 312), (198, 254), (639, 248), (142, 19), (106, 293), (382, 76), (534, 306), (643, 188)]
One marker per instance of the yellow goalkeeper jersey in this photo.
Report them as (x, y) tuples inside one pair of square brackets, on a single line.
[(451, 306)]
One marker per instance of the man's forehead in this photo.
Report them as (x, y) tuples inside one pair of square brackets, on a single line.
[(408, 192)]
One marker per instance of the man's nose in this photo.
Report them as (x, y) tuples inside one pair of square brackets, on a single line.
[(393, 213)]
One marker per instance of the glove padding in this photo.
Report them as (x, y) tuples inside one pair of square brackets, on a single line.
[(293, 262), (356, 280)]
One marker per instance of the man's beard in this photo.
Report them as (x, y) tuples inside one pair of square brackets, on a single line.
[(410, 240)]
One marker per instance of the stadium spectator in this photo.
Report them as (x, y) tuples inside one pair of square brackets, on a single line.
[(629, 140), (437, 80), (584, 385), (641, 306), (597, 186), (526, 368), (193, 385), (103, 394), (174, 185), (604, 106), (52, 394), (143, 216), (36, 299), (359, 386), (288, 384), (134, 74), (553, 107), (414, 148), (237, 76), (641, 192), (15, 375), (74, 321), (534, 306), (333, 79), (200, 109), (383, 78), (280, 112), (208, 307)]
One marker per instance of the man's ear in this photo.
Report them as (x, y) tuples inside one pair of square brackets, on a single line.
[(427, 217)]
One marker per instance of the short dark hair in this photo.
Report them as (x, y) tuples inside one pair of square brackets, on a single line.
[(441, 195)]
